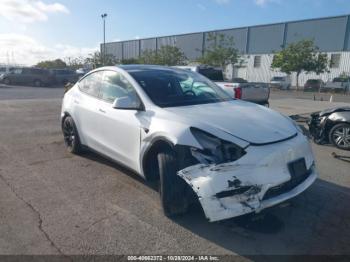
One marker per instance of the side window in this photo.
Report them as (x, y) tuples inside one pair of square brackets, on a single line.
[(257, 61), (91, 84), (115, 85), (335, 60)]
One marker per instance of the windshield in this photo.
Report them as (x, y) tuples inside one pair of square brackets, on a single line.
[(176, 87)]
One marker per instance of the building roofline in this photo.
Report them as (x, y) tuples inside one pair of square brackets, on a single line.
[(232, 28)]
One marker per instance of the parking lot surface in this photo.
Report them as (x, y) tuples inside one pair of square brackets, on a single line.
[(53, 202)]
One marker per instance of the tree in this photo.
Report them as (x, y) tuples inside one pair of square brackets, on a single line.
[(75, 62), (52, 64), (221, 51), (166, 55), (129, 61), (97, 60), (148, 57), (299, 57), (170, 56)]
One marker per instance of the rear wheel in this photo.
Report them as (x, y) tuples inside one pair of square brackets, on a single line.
[(340, 136), (71, 137), (172, 188)]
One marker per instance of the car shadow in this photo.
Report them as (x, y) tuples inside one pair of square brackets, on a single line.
[(313, 223)]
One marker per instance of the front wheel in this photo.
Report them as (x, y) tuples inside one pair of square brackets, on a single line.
[(71, 137), (340, 136), (172, 188), (7, 81)]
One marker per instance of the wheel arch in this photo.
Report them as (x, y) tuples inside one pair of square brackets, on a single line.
[(335, 121), (149, 160)]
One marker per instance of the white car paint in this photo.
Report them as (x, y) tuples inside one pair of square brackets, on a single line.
[(270, 140), (281, 82)]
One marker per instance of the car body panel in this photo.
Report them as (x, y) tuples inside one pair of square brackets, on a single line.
[(240, 119), (281, 82), (321, 122)]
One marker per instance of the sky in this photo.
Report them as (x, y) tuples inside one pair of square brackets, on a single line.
[(36, 30)]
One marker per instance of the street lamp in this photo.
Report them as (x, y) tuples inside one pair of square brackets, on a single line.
[(104, 38)]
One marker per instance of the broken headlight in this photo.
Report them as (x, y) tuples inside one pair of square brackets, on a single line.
[(215, 150)]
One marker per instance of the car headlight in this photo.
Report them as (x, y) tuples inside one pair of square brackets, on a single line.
[(215, 150)]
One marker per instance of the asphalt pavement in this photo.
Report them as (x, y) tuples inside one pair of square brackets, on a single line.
[(52, 202)]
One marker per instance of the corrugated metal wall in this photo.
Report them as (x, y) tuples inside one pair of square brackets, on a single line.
[(148, 44), (330, 34), (191, 45), (265, 39), (131, 49)]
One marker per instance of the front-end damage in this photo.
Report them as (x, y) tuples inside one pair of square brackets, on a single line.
[(231, 181)]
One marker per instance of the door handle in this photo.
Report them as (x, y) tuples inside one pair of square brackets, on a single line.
[(101, 110)]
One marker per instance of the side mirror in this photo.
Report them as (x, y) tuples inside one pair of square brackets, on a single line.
[(127, 103)]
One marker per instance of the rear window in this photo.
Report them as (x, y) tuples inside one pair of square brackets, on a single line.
[(277, 78), (36, 71), (312, 81), (212, 73), (340, 79)]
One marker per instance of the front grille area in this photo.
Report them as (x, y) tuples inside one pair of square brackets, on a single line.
[(286, 187)]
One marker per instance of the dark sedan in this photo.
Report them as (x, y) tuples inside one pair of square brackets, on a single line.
[(313, 85)]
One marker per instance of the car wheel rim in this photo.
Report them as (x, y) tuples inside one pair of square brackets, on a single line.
[(69, 134), (341, 136)]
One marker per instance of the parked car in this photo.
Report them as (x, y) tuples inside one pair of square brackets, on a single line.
[(27, 76), (313, 85), (281, 82), (64, 76), (331, 126), (337, 85), (4, 69), (238, 88), (178, 127)]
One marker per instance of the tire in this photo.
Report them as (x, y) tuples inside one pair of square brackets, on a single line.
[(7, 81), (37, 83), (71, 137), (340, 136), (172, 188)]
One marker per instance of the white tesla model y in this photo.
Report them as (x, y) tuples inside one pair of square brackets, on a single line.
[(180, 128)]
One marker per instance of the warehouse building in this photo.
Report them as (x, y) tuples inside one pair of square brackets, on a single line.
[(257, 45)]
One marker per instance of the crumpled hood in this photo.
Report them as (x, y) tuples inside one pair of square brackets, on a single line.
[(332, 110), (250, 122)]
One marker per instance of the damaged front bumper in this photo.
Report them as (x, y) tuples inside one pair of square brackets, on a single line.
[(260, 179)]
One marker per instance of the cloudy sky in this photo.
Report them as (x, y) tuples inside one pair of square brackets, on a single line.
[(34, 30)]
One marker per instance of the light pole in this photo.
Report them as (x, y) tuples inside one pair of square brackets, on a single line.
[(104, 38)]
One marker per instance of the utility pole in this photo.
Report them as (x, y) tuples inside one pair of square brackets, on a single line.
[(104, 16)]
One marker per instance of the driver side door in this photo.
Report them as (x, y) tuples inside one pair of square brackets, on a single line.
[(120, 128)]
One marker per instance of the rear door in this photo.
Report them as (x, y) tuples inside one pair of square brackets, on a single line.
[(23, 76), (119, 129), (86, 115)]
